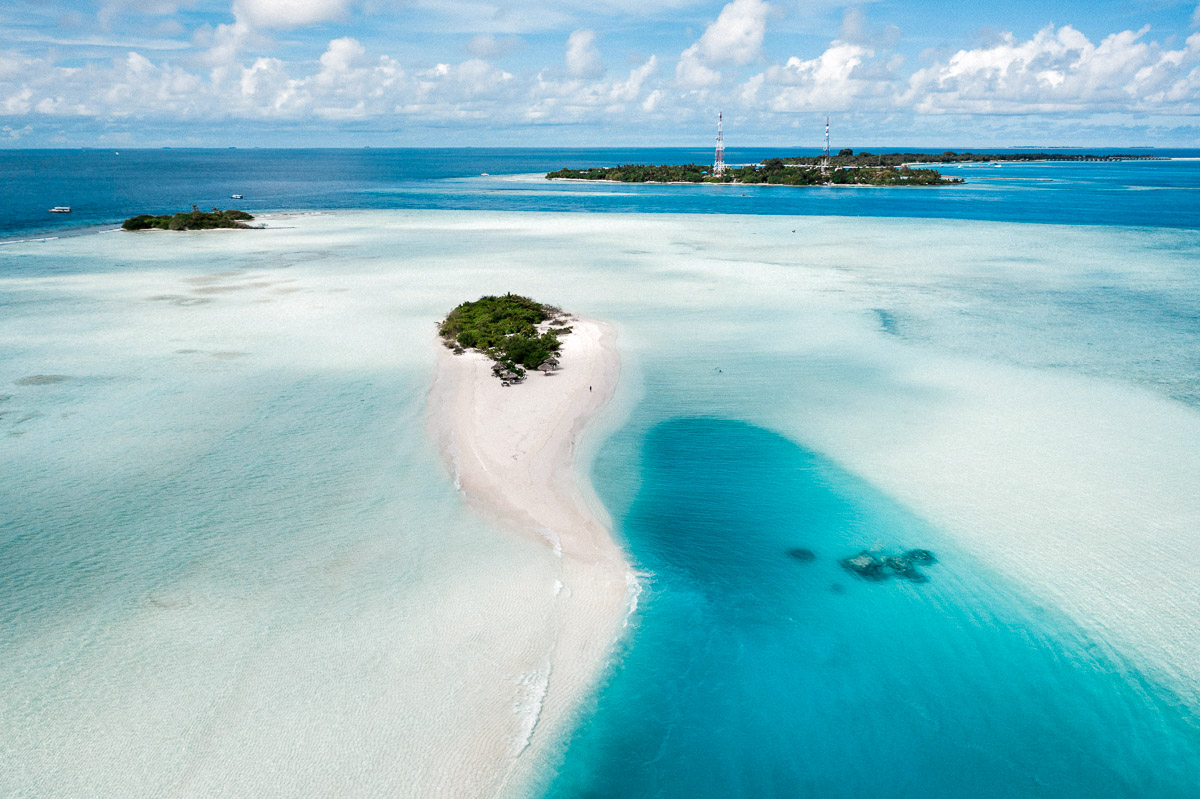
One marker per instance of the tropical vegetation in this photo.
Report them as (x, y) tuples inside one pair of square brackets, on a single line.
[(638, 173), (506, 330), (189, 220), (774, 171)]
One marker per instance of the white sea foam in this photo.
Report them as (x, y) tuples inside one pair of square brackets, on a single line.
[(531, 694), (633, 593), (552, 539)]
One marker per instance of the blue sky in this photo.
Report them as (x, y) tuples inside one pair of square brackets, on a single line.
[(597, 72)]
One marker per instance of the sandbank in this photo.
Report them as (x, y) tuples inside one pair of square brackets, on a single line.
[(511, 452)]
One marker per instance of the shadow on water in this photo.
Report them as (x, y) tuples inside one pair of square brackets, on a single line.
[(757, 673)]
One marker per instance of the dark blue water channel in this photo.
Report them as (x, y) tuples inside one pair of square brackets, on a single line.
[(752, 673)]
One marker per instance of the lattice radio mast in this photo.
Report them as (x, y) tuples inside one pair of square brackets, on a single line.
[(825, 160), (719, 160)]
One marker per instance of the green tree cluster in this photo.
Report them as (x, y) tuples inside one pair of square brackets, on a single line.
[(189, 220), (637, 173), (900, 176), (505, 329), (773, 171)]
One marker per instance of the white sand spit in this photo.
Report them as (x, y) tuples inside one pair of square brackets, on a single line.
[(512, 454)]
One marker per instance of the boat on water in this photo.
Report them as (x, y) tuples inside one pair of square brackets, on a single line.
[(61, 209), (236, 196)]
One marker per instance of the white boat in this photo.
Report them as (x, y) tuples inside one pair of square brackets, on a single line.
[(61, 209), (236, 196)]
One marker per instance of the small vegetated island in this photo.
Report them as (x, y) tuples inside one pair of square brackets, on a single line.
[(847, 168), (517, 333), (773, 171), (190, 220)]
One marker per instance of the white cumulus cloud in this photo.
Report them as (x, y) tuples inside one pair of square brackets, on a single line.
[(824, 83), (1057, 71), (577, 99), (583, 59), (737, 34), (692, 73), (288, 13), (735, 37)]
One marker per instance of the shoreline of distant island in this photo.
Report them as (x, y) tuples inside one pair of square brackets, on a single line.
[(847, 168)]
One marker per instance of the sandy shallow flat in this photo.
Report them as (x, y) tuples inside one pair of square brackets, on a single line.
[(511, 451)]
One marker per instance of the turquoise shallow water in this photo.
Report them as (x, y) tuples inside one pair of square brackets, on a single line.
[(754, 674)]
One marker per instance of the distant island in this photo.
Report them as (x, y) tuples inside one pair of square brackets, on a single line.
[(189, 220), (773, 171), (849, 158), (847, 168), (514, 331)]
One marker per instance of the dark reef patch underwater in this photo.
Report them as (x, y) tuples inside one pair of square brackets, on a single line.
[(750, 674)]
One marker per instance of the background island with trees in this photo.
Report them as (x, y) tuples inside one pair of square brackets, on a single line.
[(846, 168), (774, 171)]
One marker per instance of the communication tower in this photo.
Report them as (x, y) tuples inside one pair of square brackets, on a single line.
[(825, 160), (719, 160)]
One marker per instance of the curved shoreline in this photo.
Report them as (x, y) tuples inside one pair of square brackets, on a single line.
[(511, 451)]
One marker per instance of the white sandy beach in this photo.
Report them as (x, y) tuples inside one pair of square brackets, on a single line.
[(511, 451)]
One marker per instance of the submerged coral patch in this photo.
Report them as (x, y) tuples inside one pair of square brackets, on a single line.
[(878, 566)]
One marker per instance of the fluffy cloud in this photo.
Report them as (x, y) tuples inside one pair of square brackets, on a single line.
[(829, 82), (288, 13), (476, 77), (735, 37), (737, 34), (650, 104), (583, 59), (692, 73), (238, 70), (1059, 71), (346, 83), (578, 99)]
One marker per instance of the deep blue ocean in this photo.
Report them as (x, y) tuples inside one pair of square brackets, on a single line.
[(103, 187), (748, 671)]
